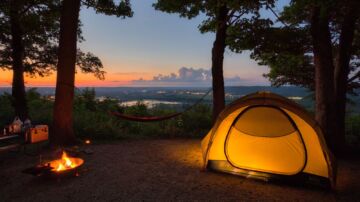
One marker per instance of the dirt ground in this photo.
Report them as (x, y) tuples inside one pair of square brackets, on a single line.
[(161, 170)]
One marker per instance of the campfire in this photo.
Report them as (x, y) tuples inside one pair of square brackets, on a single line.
[(65, 163)]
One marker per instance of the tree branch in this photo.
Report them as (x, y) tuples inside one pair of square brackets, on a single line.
[(31, 4), (232, 12), (277, 16), (353, 78), (237, 17), (85, 3)]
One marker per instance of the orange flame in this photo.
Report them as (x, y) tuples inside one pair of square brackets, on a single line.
[(65, 163)]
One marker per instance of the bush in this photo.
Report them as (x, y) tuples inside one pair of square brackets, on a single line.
[(193, 123), (6, 110), (353, 130), (92, 119), (40, 108)]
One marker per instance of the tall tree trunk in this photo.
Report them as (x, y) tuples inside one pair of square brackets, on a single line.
[(17, 55), (63, 133), (342, 70), (217, 62), (324, 74)]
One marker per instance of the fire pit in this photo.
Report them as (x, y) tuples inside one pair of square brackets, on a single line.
[(65, 163), (59, 167)]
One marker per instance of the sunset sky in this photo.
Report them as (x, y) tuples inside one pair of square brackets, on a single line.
[(135, 51)]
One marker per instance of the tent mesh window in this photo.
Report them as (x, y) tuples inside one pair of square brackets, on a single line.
[(264, 122)]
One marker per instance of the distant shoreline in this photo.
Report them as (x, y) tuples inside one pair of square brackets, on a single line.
[(168, 93), (189, 95)]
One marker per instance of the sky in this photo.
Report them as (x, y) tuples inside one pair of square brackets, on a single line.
[(152, 49)]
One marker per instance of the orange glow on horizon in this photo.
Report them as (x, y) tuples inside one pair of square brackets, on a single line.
[(81, 80)]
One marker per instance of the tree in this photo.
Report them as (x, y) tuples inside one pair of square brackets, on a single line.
[(221, 17), (318, 48), (63, 133), (63, 120), (324, 71), (18, 18), (29, 34)]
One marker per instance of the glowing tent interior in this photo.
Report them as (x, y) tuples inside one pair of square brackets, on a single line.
[(267, 136)]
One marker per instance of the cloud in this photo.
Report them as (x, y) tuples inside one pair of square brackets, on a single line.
[(185, 77)]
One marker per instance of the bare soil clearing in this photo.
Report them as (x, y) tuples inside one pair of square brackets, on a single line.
[(163, 170)]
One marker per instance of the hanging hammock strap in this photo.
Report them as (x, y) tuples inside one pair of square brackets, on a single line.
[(158, 118)]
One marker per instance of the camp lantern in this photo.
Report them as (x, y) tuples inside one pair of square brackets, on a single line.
[(267, 136)]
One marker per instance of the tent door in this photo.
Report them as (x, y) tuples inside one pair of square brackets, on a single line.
[(265, 139)]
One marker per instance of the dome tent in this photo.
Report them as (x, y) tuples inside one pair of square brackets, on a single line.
[(267, 136)]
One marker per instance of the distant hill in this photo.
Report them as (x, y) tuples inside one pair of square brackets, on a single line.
[(184, 94), (235, 90), (191, 94)]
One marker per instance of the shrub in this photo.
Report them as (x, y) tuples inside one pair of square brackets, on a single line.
[(92, 120), (6, 110), (40, 108), (353, 130)]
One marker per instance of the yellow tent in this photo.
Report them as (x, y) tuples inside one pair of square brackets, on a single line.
[(264, 135)]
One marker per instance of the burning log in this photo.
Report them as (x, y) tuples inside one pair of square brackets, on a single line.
[(65, 163), (64, 166)]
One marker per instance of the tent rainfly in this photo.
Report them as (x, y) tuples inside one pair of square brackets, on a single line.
[(267, 136)]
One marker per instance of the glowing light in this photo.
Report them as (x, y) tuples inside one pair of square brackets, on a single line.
[(65, 163)]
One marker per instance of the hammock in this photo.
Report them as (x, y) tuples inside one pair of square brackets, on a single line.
[(157, 118)]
